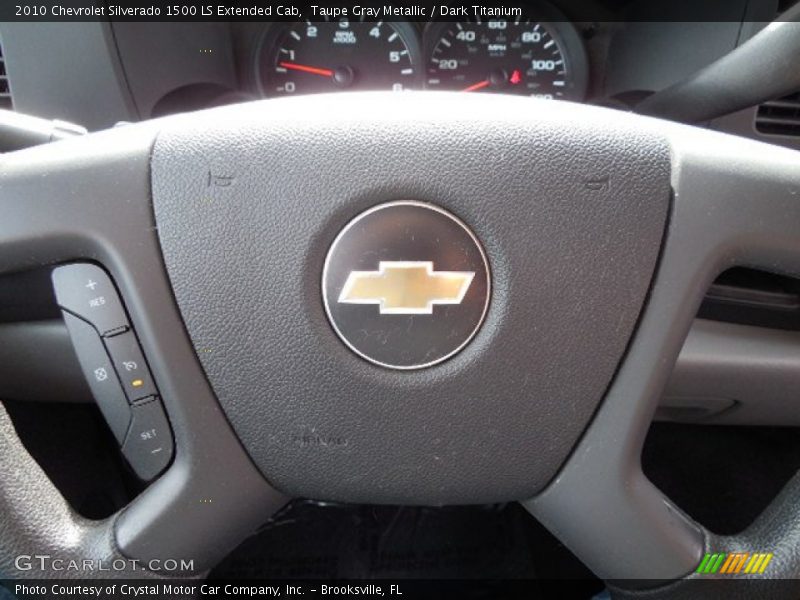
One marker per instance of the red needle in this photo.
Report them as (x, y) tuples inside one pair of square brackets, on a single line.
[(306, 69), (477, 86)]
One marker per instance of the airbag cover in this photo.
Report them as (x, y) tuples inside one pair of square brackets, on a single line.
[(569, 202)]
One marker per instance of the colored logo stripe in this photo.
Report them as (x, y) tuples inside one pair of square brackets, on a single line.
[(711, 563), (734, 563), (758, 563)]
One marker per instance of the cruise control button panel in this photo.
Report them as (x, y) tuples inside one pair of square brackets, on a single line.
[(115, 366)]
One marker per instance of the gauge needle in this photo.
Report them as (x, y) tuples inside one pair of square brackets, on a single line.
[(307, 69), (477, 86)]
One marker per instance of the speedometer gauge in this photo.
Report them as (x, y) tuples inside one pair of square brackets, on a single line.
[(523, 57), (312, 57)]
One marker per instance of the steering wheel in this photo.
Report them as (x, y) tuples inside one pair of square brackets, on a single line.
[(245, 242)]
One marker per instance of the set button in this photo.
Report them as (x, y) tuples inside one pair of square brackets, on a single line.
[(148, 446)]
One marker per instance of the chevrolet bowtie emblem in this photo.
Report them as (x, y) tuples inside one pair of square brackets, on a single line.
[(430, 258), (406, 287)]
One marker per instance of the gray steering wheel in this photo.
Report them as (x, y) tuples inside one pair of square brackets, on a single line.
[(601, 232)]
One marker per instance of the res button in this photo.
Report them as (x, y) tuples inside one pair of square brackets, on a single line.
[(86, 290)]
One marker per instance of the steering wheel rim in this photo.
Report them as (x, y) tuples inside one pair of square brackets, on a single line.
[(733, 203)]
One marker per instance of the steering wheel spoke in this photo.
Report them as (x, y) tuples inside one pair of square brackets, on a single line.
[(735, 203), (89, 199)]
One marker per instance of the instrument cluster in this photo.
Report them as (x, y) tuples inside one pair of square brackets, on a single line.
[(542, 56)]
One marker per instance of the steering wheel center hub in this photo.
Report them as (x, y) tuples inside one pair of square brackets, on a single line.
[(406, 285), (508, 389)]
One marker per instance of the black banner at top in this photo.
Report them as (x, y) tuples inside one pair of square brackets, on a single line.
[(388, 10), (253, 10)]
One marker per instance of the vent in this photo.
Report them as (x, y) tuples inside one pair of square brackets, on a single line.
[(780, 117), (5, 86)]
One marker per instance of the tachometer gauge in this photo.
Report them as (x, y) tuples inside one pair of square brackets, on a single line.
[(312, 57), (524, 57)]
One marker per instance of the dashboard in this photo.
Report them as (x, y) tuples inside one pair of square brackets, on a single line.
[(606, 52), (542, 57)]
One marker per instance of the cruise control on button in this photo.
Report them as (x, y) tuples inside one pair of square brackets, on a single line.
[(130, 364)]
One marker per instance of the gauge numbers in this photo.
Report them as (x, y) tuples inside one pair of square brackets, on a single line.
[(329, 56), (509, 57)]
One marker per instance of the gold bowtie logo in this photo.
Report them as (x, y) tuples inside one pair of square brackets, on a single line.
[(406, 287)]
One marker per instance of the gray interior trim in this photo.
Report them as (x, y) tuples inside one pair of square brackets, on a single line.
[(735, 375), (40, 357), (66, 70), (198, 53)]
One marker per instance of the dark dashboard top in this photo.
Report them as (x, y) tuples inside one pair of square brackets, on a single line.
[(607, 52)]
